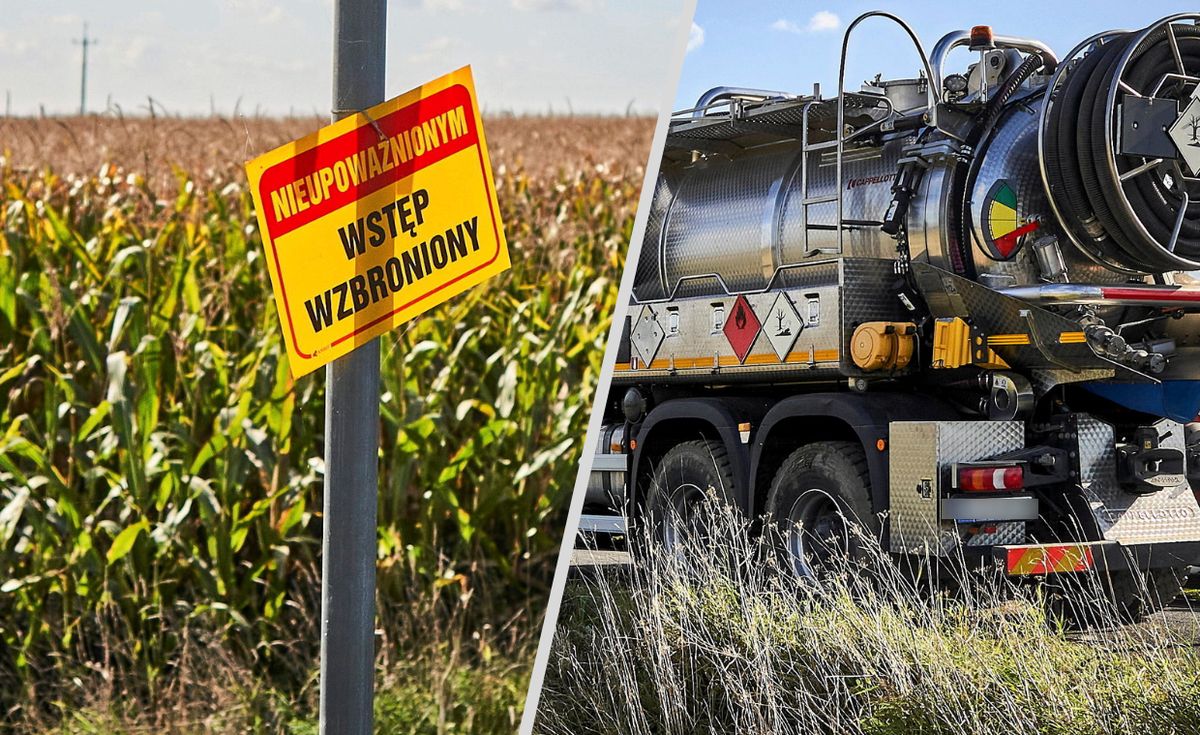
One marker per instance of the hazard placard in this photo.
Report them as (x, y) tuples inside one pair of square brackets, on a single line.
[(376, 218)]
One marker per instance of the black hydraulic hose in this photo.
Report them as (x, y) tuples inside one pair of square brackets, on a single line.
[(1097, 204), (1061, 158), (1009, 87), (991, 115), (1090, 155)]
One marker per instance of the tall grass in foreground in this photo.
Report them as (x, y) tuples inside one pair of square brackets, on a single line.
[(160, 472), (718, 639)]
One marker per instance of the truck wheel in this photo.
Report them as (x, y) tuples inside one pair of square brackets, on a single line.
[(820, 501), (1141, 593), (1132, 595), (685, 476)]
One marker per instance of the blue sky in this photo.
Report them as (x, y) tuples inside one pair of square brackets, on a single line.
[(788, 45), (528, 55)]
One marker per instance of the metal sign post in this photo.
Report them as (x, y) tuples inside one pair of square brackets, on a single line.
[(85, 42), (351, 436), (418, 163)]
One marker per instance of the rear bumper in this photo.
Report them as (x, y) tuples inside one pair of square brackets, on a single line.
[(1042, 559)]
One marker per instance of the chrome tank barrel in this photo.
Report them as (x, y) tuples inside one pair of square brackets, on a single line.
[(740, 219), (1093, 154)]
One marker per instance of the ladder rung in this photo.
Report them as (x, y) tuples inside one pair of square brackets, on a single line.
[(820, 200), (824, 145)]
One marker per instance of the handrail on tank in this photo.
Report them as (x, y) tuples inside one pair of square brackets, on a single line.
[(933, 92), (954, 39), (720, 94), (779, 270)]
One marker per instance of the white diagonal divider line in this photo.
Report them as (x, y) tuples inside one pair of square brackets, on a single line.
[(550, 624)]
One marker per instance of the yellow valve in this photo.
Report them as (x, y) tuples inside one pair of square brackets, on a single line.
[(883, 345)]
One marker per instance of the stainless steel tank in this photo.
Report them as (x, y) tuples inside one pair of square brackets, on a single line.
[(725, 223), (742, 218)]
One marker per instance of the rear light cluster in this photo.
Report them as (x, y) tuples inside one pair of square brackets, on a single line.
[(989, 478)]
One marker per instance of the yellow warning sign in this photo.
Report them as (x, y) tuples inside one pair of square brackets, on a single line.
[(376, 218)]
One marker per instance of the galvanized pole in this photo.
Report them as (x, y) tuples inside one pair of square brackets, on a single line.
[(84, 42), (351, 436)]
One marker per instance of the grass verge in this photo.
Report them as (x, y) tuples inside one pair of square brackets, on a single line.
[(717, 639)]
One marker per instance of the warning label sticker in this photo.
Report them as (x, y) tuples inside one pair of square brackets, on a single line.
[(377, 218), (741, 328), (1186, 134)]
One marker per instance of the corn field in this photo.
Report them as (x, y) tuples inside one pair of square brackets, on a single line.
[(160, 471)]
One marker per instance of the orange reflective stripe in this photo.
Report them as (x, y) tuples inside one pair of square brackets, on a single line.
[(1049, 559)]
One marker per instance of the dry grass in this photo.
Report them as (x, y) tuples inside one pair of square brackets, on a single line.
[(719, 640), (544, 148)]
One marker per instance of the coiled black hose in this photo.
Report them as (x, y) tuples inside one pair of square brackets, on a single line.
[(1093, 197)]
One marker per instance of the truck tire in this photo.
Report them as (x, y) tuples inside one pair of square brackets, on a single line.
[(1131, 595), (1142, 593), (685, 476), (820, 502)]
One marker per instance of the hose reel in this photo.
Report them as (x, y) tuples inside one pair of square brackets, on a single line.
[(1114, 165)]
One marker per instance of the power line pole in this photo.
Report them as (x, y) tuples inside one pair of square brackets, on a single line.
[(351, 436), (84, 42)]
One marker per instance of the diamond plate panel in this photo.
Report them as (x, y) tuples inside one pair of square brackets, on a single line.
[(948, 295), (918, 450), (1007, 532), (868, 296), (1044, 381), (1170, 514)]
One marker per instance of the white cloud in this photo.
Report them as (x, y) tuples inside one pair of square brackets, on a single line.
[(435, 6), (134, 52), (262, 11), (535, 5), (821, 21), (787, 26), (431, 49), (824, 20), (695, 38), (271, 16), (15, 45)]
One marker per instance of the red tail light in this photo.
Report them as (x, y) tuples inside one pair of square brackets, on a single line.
[(977, 479)]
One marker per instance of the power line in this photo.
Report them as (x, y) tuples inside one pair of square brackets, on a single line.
[(84, 42)]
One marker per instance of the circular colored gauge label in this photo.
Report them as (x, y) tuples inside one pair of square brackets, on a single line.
[(1002, 226)]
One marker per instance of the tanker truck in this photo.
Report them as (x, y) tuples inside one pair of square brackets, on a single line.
[(954, 311)]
